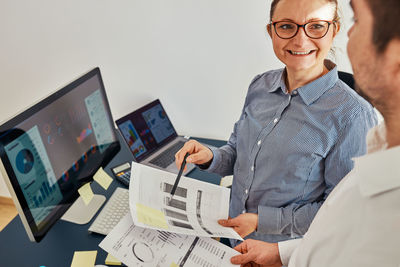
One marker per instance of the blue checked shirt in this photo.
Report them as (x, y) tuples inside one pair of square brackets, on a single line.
[(288, 151)]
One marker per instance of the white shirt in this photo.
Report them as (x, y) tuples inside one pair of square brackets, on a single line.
[(359, 223)]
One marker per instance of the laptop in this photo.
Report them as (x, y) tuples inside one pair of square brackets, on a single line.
[(151, 137)]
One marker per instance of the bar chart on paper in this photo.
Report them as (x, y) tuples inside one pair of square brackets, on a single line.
[(137, 246), (191, 210)]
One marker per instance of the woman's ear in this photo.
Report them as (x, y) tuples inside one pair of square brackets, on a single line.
[(336, 29), (269, 30)]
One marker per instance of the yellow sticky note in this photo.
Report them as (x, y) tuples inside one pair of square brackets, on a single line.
[(102, 178), (174, 265), (150, 216), (111, 260), (84, 258), (86, 193)]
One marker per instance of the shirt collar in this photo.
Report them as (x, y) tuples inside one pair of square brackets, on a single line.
[(279, 83), (378, 172), (313, 90), (376, 138)]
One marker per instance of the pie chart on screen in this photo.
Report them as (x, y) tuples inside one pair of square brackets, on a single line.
[(161, 114), (24, 161)]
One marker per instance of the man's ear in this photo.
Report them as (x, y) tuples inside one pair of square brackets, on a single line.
[(392, 57), (269, 30)]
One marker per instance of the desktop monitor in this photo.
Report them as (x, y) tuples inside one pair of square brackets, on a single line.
[(53, 148)]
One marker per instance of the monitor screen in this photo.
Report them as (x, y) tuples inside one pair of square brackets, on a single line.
[(146, 129), (50, 150)]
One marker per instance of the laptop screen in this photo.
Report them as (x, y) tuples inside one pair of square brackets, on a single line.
[(146, 129)]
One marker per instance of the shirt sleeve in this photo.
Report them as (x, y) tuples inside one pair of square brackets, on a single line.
[(295, 218), (224, 157), (286, 249)]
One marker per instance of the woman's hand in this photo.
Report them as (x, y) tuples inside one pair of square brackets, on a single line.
[(257, 253), (199, 154), (244, 224)]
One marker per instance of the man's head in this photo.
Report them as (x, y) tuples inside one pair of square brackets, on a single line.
[(386, 26), (374, 50)]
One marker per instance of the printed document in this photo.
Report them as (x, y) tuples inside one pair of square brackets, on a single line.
[(194, 209), (137, 246)]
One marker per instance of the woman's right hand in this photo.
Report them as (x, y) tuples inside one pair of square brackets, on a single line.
[(199, 154)]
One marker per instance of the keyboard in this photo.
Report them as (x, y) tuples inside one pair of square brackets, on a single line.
[(168, 156), (116, 208)]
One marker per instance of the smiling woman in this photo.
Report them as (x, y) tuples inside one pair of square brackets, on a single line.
[(302, 37), (299, 128)]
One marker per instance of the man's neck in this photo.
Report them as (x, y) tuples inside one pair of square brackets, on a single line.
[(392, 135), (390, 109), (392, 123)]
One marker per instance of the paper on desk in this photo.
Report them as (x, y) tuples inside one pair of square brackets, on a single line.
[(102, 178), (84, 258), (194, 210), (86, 193), (111, 260), (144, 247)]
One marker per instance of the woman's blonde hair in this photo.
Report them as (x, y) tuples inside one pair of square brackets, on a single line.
[(336, 17)]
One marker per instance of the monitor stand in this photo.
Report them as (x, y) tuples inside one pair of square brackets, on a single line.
[(79, 213)]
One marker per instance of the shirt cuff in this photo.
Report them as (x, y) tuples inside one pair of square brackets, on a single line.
[(269, 220), (215, 160), (286, 249)]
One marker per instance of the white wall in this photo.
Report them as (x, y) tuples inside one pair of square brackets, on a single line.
[(198, 57)]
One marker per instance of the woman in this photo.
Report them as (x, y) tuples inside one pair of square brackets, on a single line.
[(299, 128)]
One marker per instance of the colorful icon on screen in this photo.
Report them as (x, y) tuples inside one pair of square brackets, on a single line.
[(85, 133), (93, 149), (75, 166), (65, 176), (84, 157)]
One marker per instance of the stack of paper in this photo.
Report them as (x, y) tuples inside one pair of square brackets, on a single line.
[(161, 231)]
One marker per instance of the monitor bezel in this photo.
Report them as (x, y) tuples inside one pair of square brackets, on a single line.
[(9, 176)]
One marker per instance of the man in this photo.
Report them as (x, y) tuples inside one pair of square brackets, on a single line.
[(359, 223)]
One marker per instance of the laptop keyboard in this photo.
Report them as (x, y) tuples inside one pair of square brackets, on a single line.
[(168, 156)]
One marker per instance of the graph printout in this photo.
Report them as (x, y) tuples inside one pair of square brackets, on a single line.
[(144, 247), (194, 210)]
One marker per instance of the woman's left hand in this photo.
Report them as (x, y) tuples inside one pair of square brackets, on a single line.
[(244, 224)]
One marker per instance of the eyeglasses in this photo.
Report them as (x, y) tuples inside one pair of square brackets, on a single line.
[(316, 29)]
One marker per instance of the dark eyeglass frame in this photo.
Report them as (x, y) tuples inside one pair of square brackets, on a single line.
[(273, 23)]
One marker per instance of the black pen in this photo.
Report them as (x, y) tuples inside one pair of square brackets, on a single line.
[(178, 177)]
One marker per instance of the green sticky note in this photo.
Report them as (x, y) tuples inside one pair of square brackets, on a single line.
[(84, 258), (86, 193), (174, 265), (150, 216), (102, 178)]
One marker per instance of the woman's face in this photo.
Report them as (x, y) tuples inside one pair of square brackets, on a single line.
[(302, 53)]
